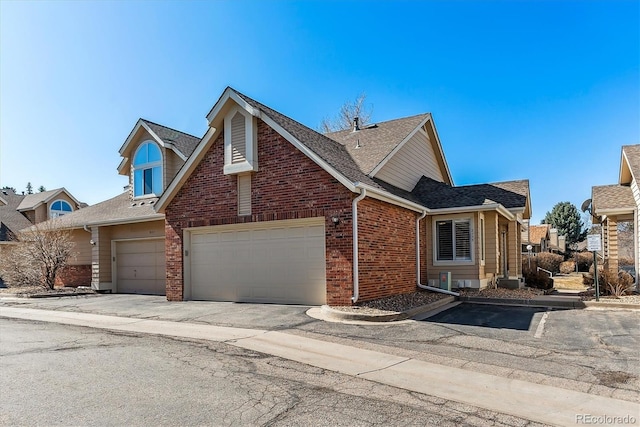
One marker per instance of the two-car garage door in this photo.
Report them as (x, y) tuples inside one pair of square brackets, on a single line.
[(275, 261)]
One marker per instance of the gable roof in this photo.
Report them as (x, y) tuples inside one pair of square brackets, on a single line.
[(10, 217), (438, 195), (610, 198), (184, 142), (32, 201), (337, 157), (629, 163), (372, 146), (179, 142), (538, 232), (117, 210)]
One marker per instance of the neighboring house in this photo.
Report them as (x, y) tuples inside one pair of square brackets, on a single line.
[(269, 210), (612, 204), (122, 239), (20, 211), (542, 238)]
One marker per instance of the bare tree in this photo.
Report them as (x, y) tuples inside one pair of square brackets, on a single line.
[(348, 112), (38, 255)]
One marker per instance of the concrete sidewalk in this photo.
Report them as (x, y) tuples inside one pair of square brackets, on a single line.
[(536, 402)]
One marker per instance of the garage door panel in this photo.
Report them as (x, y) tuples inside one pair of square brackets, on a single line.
[(140, 267), (281, 262)]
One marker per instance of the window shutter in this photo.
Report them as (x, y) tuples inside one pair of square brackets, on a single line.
[(445, 240), (244, 194), (238, 139), (463, 240)]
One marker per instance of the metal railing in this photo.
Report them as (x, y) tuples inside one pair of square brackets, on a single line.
[(546, 271)]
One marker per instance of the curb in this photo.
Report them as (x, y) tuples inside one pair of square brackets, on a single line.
[(607, 304), (394, 316), (524, 302)]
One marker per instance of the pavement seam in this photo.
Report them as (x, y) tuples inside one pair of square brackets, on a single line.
[(385, 367)]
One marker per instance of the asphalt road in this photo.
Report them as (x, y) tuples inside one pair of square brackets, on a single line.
[(594, 351), (53, 374)]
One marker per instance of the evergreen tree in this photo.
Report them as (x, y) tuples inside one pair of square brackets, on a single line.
[(565, 217)]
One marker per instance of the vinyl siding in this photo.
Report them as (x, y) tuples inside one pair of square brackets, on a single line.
[(492, 247), (462, 271), (172, 164), (415, 159), (82, 248), (102, 255)]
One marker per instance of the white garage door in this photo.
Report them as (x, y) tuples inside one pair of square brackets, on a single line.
[(276, 261), (140, 267)]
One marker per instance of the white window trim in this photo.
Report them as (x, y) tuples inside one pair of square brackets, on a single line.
[(454, 218), (51, 211), (147, 166), (251, 163)]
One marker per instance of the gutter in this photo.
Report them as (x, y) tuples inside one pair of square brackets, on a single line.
[(420, 285), (354, 223)]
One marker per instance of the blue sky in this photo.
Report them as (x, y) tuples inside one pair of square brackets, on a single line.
[(547, 91)]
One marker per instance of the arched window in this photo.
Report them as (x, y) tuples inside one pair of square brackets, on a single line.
[(59, 208), (147, 170)]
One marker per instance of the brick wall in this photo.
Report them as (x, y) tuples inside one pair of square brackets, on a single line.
[(386, 247), (289, 185), (74, 275)]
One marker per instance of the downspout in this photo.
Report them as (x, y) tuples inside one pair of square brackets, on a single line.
[(420, 285), (354, 223)]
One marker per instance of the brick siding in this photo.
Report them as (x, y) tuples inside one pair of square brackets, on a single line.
[(289, 185), (74, 275)]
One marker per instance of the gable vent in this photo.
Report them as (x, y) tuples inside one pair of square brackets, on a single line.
[(238, 139), (244, 194)]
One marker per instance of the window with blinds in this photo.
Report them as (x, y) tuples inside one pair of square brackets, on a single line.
[(244, 194), (453, 238)]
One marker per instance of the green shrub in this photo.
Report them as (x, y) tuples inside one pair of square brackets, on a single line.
[(549, 261)]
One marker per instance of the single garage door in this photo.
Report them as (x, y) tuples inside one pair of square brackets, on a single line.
[(276, 262), (140, 267)]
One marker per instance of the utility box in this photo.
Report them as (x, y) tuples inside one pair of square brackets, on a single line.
[(445, 280)]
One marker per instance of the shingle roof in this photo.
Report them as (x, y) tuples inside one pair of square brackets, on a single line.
[(438, 195), (538, 232), (9, 215), (30, 201), (377, 141), (615, 196), (116, 209), (182, 141), (334, 153)]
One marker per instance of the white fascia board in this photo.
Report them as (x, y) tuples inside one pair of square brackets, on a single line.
[(215, 110), (398, 148), (384, 196), (612, 212), (313, 156), (491, 207), (440, 150), (154, 217), (186, 170), (130, 137)]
